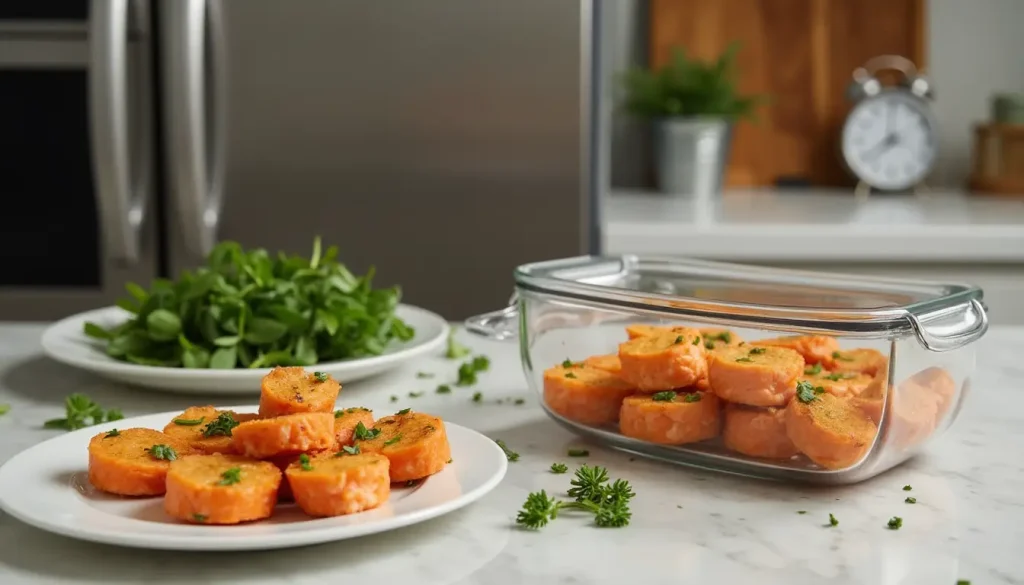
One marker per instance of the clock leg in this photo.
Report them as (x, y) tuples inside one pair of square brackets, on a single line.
[(862, 191)]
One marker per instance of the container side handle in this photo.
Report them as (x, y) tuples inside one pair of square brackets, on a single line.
[(951, 328), (499, 325)]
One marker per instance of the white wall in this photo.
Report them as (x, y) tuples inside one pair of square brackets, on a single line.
[(976, 47)]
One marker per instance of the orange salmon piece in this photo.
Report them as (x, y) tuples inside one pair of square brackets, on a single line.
[(221, 489), (663, 362), (184, 427), (585, 394), (284, 435), (815, 349), (338, 484), (753, 375), (416, 445), (123, 464), (830, 431), (293, 390), (671, 420), (757, 432)]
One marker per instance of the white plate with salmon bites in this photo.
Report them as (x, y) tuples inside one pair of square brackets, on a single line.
[(50, 485)]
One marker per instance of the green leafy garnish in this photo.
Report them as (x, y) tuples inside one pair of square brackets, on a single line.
[(4, 409), (895, 523), (963, 582), (304, 463), (757, 350), (679, 339), (587, 483), (455, 349), (801, 511), (481, 363), (80, 412), (744, 359), (467, 375), (805, 392), (559, 468), (189, 422), (251, 309), (832, 520), (907, 488), (424, 375), (836, 376), (709, 345), (538, 510), (321, 376), (112, 433), (164, 452), (478, 396), (666, 396), (609, 503), (199, 517), (444, 389), (393, 440), (812, 370), (567, 363), (394, 398), (570, 375), (415, 394), (578, 453), (361, 433), (692, 397), (519, 401), (911, 500), (509, 453), (696, 340), (348, 450), (220, 426), (230, 476), (838, 356), (403, 411)]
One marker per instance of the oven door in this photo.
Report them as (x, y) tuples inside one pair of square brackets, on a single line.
[(75, 155)]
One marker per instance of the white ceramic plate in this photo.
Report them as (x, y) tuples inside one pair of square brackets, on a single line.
[(47, 486), (65, 342)]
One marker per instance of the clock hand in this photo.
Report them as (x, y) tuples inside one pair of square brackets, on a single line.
[(883, 146)]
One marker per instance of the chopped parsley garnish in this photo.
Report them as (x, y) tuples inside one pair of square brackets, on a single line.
[(519, 401), (691, 397), (836, 376), (189, 422), (424, 375), (444, 389), (304, 463), (801, 511), (364, 434), (963, 582), (805, 392), (911, 500), (467, 375), (403, 411), (578, 453), (221, 426), (567, 363), (907, 488), (832, 521), (744, 359), (199, 517), (696, 340), (812, 370), (393, 440), (112, 433), (231, 476), (394, 398), (559, 468), (838, 356), (709, 345), (481, 363), (679, 339), (666, 396), (570, 375), (455, 349), (4, 409), (895, 523), (757, 351), (478, 397), (415, 394), (509, 453), (609, 503), (80, 412), (321, 376), (164, 452), (348, 450)]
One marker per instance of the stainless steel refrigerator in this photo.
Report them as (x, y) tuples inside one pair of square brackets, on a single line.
[(444, 142)]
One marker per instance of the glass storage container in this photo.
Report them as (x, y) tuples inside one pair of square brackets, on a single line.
[(780, 374)]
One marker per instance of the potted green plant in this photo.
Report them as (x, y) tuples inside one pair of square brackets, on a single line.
[(693, 105)]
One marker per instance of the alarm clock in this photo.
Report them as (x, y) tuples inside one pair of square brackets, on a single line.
[(889, 136)]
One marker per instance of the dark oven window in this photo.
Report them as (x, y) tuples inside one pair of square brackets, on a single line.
[(44, 9), (50, 235)]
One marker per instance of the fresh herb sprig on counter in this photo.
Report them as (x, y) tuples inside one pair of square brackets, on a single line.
[(248, 309), (592, 492), (80, 411)]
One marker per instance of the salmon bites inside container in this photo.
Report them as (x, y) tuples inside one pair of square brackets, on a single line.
[(133, 462), (608, 362), (585, 394), (815, 349), (334, 484), (285, 435), (757, 432), (830, 431), (755, 376), (221, 489), (664, 361), (671, 418), (293, 390), (416, 444), (841, 384)]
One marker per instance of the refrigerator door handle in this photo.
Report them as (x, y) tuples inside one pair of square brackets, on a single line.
[(195, 117), (119, 114)]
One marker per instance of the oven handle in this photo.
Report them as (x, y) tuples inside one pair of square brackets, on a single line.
[(195, 129), (120, 128)]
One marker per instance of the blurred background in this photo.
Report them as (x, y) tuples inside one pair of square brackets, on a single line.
[(446, 142)]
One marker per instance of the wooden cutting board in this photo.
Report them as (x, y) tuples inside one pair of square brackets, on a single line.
[(801, 53)]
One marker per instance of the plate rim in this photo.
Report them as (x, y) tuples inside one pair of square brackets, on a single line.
[(182, 542), (113, 366)]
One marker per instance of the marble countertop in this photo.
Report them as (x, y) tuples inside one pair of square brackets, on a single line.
[(778, 225), (688, 526)]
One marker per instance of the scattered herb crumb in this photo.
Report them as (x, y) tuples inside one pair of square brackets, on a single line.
[(112, 433), (963, 582), (744, 359), (832, 521), (907, 488), (666, 396), (321, 376), (801, 511), (304, 463), (567, 363), (520, 401), (812, 370), (444, 389), (481, 363), (838, 356), (394, 398), (403, 411), (679, 339), (455, 349), (410, 483), (4, 409), (393, 440), (450, 460), (415, 394), (895, 523), (348, 450), (509, 453), (911, 500), (478, 396), (559, 468), (757, 351), (164, 452), (691, 397), (189, 422), (578, 453), (678, 506), (231, 476), (570, 375), (424, 375), (696, 340)]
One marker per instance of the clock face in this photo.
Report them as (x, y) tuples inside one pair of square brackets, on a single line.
[(889, 140)]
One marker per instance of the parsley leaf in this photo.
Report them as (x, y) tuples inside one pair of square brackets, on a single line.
[(832, 520), (509, 453), (519, 401), (567, 363), (838, 356), (578, 453), (836, 376), (570, 375), (812, 370), (478, 396), (666, 396), (907, 488), (455, 349), (361, 433), (895, 523), (744, 359), (559, 468), (415, 394), (911, 500), (231, 476), (467, 375), (348, 450), (164, 452), (403, 411), (422, 375), (757, 350), (805, 392), (4, 409), (801, 511), (444, 389), (112, 433), (220, 426), (321, 376), (304, 463), (679, 339), (692, 397), (393, 440), (481, 363), (80, 411), (189, 422)]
